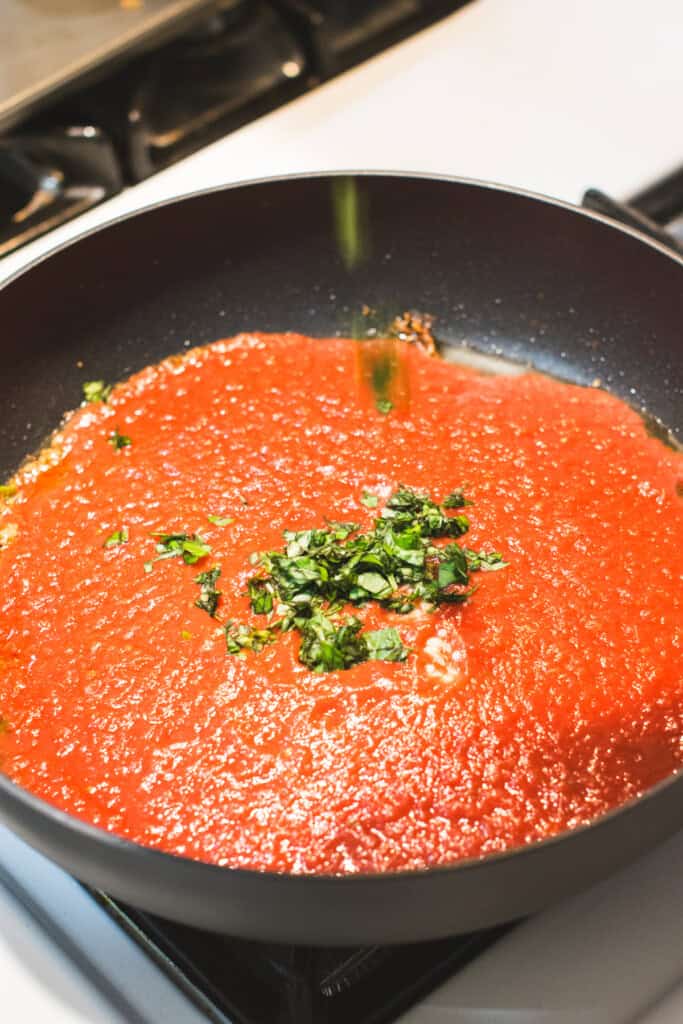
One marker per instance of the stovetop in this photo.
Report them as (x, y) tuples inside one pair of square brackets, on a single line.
[(94, 97), (249, 982)]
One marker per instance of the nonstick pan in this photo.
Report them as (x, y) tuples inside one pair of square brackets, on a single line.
[(504, 273)]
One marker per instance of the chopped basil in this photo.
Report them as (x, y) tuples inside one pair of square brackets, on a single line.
[(220, 520), (260, 596), (239, 639), (7, 490), (208, 595), (327, 646), (189, 546), (456, 499), (118, 441), (384, 405), (395, 564), (96, 391), (369, 500), (185, 634), (385, 645), (117, 537), (487, 562)]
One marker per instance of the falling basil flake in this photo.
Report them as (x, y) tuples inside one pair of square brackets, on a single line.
[(185, 634), (220, 520), (117, 537), (96, 391), (189, 546), (369, 500), (384, 405), (7, 490), (118, 441), (208, 595)]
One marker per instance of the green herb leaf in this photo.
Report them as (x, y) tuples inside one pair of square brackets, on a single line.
[(189, 546), (385, 645), (384, 405), (260, 596), (239, 639), (369, 500), (486, 561), (118, 441), (220, 520), (396, 564), (117, 537), (208, 595), (456, 499), (7, 490), (96, 391), (328, 647)]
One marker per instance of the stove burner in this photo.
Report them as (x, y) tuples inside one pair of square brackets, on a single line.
[(247, 982), (48, 177), (231, 64)]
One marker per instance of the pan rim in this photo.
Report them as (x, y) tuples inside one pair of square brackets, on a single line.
[(130, 850), (491, 186)]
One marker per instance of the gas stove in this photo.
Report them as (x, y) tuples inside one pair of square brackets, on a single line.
[(559, 99), (92, 101)]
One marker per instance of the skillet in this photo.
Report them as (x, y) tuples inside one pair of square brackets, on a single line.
[(504, 273)]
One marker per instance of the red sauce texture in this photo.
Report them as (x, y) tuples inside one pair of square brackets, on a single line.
[(554, 694)]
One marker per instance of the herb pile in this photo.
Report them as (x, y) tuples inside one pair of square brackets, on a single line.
[(307, 585)]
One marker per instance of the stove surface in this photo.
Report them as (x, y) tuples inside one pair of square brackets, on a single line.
[(249, 982), (48, 43)]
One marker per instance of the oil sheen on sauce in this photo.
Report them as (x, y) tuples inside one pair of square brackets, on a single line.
[(552, 695)]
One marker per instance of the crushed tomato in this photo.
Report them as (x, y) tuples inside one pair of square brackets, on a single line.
[(552, 695)]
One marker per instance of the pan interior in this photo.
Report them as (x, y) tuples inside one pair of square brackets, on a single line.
[(504, 275)]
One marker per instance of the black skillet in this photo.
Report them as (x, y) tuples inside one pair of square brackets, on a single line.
[(503, 272)]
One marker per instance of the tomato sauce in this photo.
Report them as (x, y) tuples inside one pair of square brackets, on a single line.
[(554, 694)]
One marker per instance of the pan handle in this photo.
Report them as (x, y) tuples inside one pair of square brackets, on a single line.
[(657, 211)]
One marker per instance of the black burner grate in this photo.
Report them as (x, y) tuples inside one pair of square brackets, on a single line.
[(246, 982)]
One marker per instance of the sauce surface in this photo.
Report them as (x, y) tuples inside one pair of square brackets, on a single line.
[(554, 694)]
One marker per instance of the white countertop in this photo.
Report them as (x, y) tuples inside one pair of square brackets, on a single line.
[(548, 95)]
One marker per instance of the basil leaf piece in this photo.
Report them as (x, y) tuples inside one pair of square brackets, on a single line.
[(239, 639), (220, 520), (260, 596), (327, 646), (96, 391), (189, 546), (118, 441), (369, 500), (456, 499), (385, 645), (208, 595), (117, 537)]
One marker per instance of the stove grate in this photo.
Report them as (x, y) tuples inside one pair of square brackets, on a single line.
[(246, 982)]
